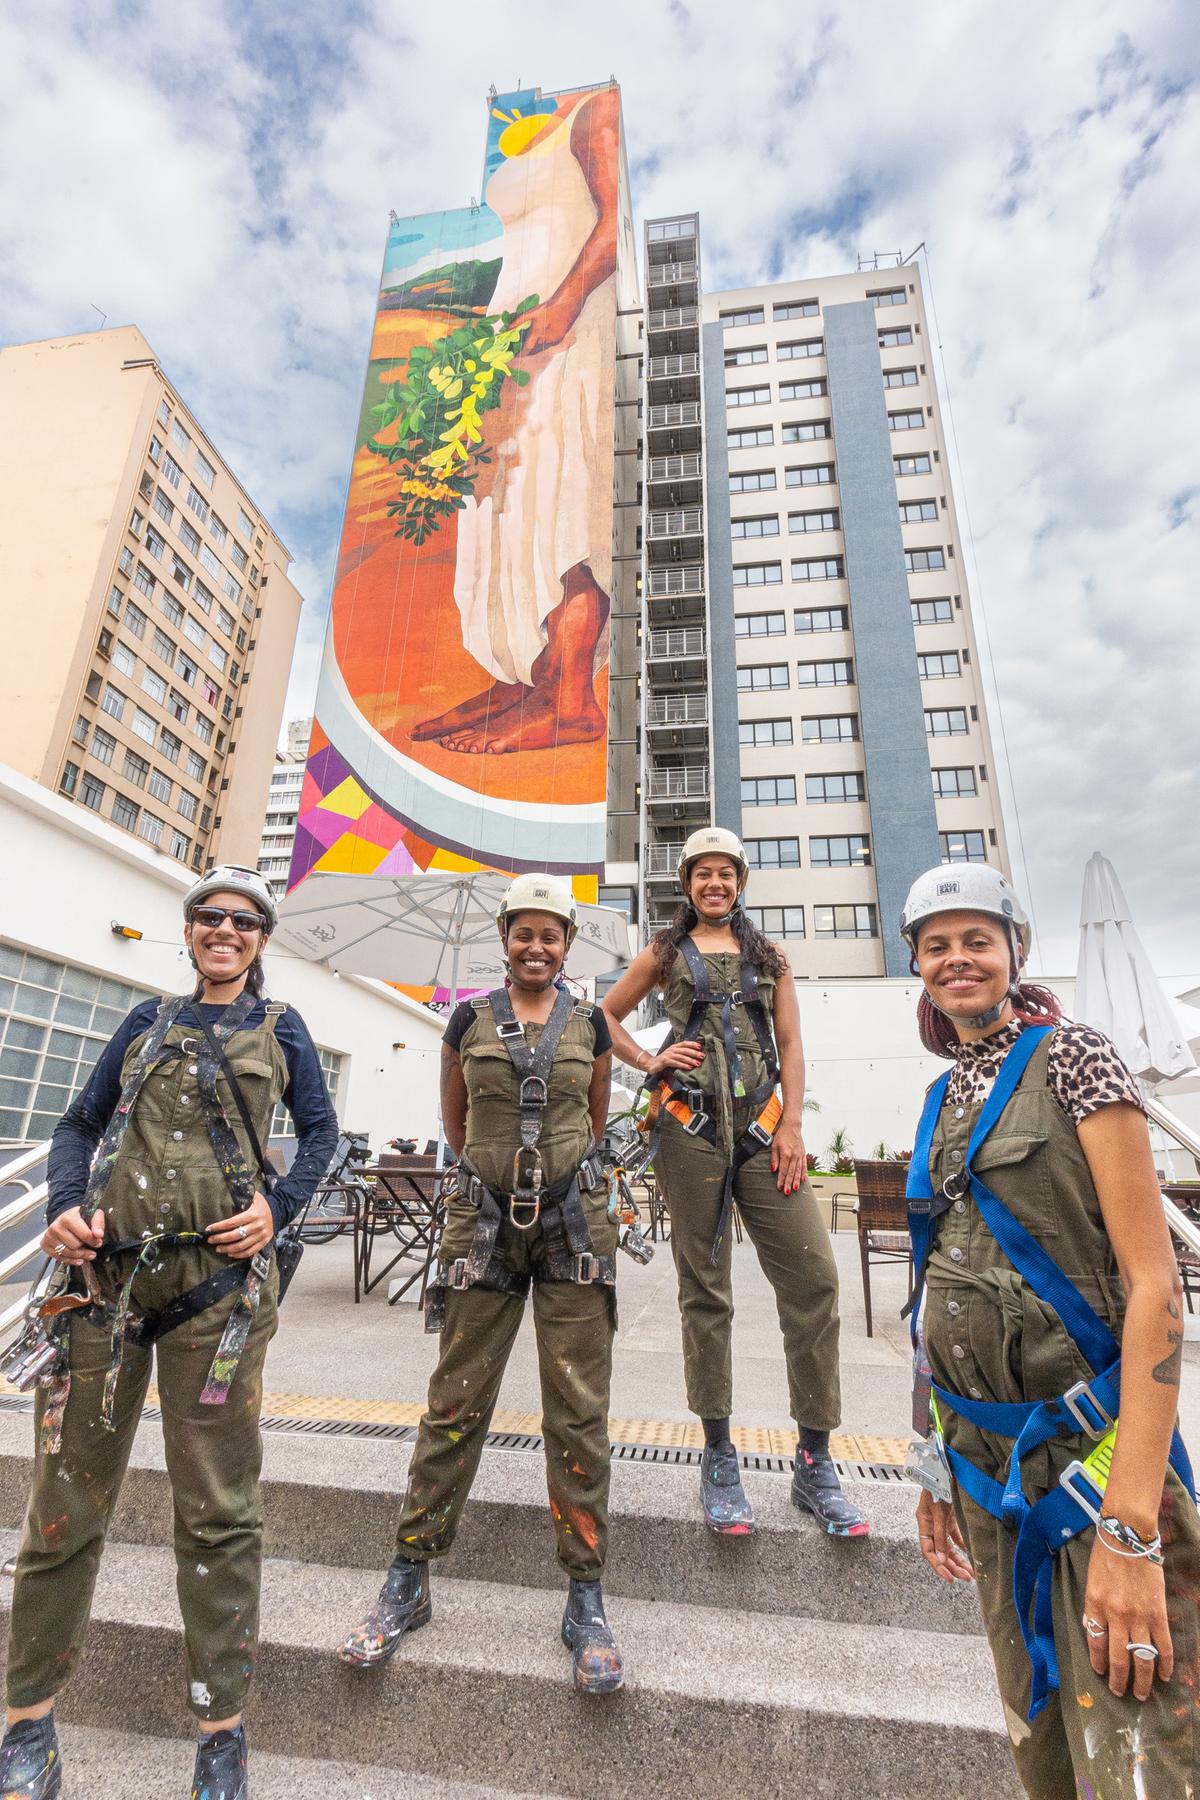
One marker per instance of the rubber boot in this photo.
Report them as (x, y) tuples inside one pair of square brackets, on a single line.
[(588, 1636), (30, 1760), (221, 1771), (726, 1508), (403, 1605), (816, 1489)]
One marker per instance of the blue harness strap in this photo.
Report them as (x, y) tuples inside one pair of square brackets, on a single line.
[(1090, 1407)]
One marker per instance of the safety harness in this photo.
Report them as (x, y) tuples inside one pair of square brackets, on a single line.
[(566, 1253), (688, 1105), (1089, 1407)]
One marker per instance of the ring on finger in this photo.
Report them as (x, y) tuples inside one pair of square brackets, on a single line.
[(1142, 1652), (60, 1250), (1094, 1627)]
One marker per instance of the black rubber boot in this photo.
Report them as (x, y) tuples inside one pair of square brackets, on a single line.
[(403, 1605), (726, 1508), (588, 1636), (30, 1760), (816, 1489), (221, 1766)]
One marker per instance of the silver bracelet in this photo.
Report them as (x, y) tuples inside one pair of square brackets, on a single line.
[(1123, 1540)]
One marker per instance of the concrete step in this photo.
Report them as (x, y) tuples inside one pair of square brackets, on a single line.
[(483, 1693), (334, 1500)]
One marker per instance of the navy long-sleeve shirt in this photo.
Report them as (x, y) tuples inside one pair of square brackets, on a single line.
[(306, 1097)]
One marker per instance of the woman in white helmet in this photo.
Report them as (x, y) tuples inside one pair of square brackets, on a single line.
[(727, 1098), (526, 1073), (1052, 1304), (164, 1215)]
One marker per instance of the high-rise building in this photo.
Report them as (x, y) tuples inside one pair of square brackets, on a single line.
[(149, 616), (283, 806), (810, 671)]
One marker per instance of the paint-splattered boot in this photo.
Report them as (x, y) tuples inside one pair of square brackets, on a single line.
[(726, 1508), (30, 1761), (403, 1605), (816, 1489), (598, 1667), (221, 1766)]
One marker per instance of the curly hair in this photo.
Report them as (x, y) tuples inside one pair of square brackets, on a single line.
[(756, 948), (1032, 1005)]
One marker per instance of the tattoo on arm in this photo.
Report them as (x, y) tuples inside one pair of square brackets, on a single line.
[(1170, 1369)]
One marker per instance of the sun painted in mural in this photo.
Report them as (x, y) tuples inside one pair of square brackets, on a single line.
[(461, 718)]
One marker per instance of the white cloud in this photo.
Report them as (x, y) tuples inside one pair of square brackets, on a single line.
[(221, 175)]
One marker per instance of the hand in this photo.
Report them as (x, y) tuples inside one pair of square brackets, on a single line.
[(941, 1539), (787, 1157), (686, 1055), (1127, 1595), (245, 1233), (70, 1240)]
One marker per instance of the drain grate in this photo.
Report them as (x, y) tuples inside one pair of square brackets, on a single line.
[(664, 1455)]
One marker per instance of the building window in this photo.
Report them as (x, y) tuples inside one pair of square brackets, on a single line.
[(188, 804), (80, 733), (778, 921), (169, 745), (762, 675), (800, 434), (205, 469), (209, 562), (757, 481), (154, 685), (766, 624), (931, 612), (940, 665), (196, 766), (887, 296), (834, 790), (197, 503), (821, 568), (822, 618), (759, 734), (190, 536), (163, 647), (837, 673), (124, 563), (70, 778), (954, 784), (845, 921), (751, 315), (124, 812), (851, 852), (161, 786), (815, 475), (187, 669), (144, 726), (203, 728), (136, 768), (155, 450), (757, 574), (135, 620), (150, 828), (212, 693), (181, 573), (899, 378), (918, 561), (331, 1065), (171, 470), (832, 728), (245, 523), (123, 659), (177, 706), (194, 631), (754, 528), (91, 792), (812, 521), (795, 309), (905, 421), (890, 340), (225, 621), (946, 722), (217, 530), (768, 790), (164, 507), (798, 352), (233, 588), (55, 1019), (180, 438), (238, 557), (113, 702), (203, 596), (913, 465), (217, 657), (752, 438), (144, 581), (171, 608), (963, 846), (179, 844), (773, 853), (912, 512), (114, 602), (103, 745), (740, 359), (804, 390)]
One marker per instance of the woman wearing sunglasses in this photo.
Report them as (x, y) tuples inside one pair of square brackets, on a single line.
[(159, 1214)]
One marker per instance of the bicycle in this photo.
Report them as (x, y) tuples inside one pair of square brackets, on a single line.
[(331, 1210)]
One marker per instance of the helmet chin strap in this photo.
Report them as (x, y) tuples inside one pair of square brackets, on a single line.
[(724, 919)]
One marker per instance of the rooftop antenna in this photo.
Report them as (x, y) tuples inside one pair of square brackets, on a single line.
[(103, 315)]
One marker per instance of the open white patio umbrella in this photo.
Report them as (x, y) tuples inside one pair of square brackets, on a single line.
[(1116, 989)]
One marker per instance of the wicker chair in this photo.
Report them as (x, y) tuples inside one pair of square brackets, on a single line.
[(882, 1221)]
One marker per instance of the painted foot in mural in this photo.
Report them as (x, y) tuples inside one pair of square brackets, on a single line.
[(475, 711), (540, 724)]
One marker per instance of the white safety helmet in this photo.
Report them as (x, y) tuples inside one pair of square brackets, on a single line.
[(234, 878), (539, 893), (713, 840), (973, 888)]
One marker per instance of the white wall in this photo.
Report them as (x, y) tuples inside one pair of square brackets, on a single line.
[(68, 875)]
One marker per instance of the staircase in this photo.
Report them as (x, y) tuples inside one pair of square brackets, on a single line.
[(786, 1663)]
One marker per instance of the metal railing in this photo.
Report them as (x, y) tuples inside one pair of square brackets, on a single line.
[(675, 412), (665, 318), (662, 859), (679, 784), (658, 273), (15, 1212), (678, 709), (678, 641), (682, 362), (1185, 1229), (687, 578), (677, 523)]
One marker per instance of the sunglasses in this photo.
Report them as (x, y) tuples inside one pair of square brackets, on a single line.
[(212, 916)]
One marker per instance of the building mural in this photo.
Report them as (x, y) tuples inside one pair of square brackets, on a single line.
[(461, 716)]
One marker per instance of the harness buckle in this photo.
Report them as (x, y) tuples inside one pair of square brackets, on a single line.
[(696, 1123), (530, 1203), (1077, 1400), (759, 1132), (587, 1267), (1083, 1490), (736, 997), (534, 1091), (510, 1028), (456, 1273)]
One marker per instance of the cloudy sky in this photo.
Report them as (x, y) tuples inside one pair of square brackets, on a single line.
[(221, 175)]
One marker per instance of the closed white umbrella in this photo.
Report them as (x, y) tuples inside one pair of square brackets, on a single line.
[(1116, 989)]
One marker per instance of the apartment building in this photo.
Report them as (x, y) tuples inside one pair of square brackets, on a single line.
[(283, 806), (150, 617), (810, 673)]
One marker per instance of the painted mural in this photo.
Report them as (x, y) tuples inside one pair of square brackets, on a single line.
[(461, 716)]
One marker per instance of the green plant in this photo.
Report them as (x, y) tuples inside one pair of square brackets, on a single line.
[(881, 1153), (838, 1151)]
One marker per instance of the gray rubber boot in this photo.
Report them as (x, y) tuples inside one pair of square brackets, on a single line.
[(597, 1663), (403, 1605)]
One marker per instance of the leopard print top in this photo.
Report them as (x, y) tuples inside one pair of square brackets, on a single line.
[(1084, 1070)]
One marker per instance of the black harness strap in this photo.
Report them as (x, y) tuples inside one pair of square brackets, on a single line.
[(533, 1072)]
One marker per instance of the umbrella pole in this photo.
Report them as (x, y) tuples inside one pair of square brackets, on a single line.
[(439, 1161)]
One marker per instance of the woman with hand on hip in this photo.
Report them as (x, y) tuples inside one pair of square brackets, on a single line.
[(1052, 1304), (157, 1209)]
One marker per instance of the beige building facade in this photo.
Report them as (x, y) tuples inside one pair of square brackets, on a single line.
[(150, 616)]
